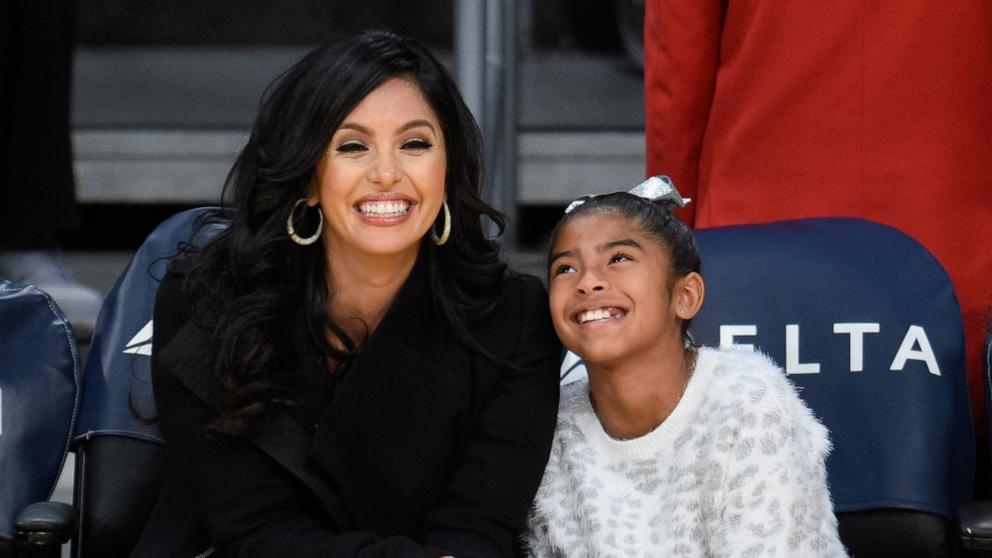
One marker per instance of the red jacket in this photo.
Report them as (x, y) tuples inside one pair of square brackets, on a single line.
[(764, 110)]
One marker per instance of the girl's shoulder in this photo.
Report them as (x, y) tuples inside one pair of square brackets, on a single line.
[(739, 371), (574, 410), (574, 397), (576, 426), (753, 393), (738, 360)]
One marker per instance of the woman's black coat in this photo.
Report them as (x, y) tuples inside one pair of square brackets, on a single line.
[(427, 448)]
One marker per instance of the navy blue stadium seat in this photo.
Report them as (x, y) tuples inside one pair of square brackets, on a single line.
[(988, 377), (119, 451), (976, 517), (39, 397), (866, 323), (117, 378)]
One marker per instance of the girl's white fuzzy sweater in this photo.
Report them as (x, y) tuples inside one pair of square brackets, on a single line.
[(736, 470)]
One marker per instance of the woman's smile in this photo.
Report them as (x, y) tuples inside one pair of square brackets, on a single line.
[(381, 181), (384, 210)]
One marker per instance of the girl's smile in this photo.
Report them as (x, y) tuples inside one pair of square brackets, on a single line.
[(600, 315), (611, 290)]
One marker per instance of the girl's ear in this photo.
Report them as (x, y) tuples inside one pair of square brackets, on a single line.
[(688, 296)]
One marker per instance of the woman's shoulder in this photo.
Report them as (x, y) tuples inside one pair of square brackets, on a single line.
[(174, 300), (521, 284), (172, 288), (518, 298), (518, 323)]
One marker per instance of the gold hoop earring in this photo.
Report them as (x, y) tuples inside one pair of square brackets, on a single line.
[(440, 240), (292, 229)]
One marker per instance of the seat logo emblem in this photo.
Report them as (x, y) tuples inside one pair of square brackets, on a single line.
[(141, 343)]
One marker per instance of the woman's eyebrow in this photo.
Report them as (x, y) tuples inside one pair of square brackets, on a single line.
[(354, 126), (408, 126), (416, 124)]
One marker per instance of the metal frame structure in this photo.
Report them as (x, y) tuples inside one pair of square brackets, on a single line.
[(485, 68)]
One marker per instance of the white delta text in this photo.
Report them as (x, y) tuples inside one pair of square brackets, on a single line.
[(915, 346)]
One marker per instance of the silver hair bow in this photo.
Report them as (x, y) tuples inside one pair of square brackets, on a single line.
[(657, 189)]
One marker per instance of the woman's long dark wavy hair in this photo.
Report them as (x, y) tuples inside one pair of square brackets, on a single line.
[(252, 280)]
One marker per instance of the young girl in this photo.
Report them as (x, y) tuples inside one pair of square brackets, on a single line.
[(669, 449)]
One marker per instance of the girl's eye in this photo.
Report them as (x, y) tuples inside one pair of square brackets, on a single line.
[(563, 268), (351, 147), (617, 258), (417, 144)]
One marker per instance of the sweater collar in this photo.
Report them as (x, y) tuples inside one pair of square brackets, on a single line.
[(664, 438)]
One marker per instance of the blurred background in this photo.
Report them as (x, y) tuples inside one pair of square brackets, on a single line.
[(164, 93)]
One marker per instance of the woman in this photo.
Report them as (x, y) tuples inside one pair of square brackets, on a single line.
[(348, 369), (669, 449)]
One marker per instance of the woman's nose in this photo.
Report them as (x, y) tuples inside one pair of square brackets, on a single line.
[(384, 171)]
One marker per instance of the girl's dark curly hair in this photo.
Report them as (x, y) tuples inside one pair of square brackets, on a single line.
[(656, 220), (251, 280)]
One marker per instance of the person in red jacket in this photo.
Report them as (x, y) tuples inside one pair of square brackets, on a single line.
[(764, 110)]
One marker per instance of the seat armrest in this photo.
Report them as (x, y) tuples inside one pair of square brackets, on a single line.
[(975, 525), (45, 523)]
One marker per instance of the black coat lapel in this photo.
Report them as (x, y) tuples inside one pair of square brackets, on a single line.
[(325, 461), (282, 437), (185, 357), (343, 430)]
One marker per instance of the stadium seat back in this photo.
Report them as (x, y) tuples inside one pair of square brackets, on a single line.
[(866, 323), (39, 398), (120, 454)]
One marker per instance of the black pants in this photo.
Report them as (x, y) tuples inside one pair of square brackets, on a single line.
[(37, 191)]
